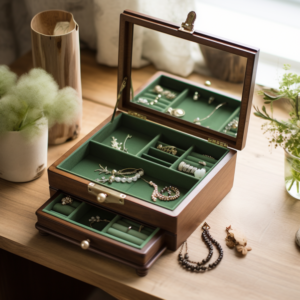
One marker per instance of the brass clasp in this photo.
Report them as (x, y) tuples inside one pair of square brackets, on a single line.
[(105, 195), (188, 25)]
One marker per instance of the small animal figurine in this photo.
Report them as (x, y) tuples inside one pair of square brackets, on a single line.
[(237, 239)]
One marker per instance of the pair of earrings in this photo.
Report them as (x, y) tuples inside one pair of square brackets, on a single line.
[(168, 94), (167, 149), (232, 125), (120, 146), (96, 219), (197, 96)]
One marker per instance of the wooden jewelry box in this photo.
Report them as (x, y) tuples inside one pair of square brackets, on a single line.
[(134, 229)]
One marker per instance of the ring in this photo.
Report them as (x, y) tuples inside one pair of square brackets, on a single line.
[(141, 227), (203, 163), (128, 229), (66, 200)]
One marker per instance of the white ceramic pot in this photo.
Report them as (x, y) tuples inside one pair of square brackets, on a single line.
[(23, 159)]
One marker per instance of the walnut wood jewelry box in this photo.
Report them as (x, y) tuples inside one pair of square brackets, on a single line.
[(205, 125)]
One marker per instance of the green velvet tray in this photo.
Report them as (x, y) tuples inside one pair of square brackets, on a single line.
[(159, 166), (116, 229), (184, 99)]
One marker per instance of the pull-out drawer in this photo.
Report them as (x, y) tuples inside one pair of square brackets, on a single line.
[(122, 239)]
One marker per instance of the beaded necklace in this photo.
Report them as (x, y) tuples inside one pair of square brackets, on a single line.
[(195, 266)]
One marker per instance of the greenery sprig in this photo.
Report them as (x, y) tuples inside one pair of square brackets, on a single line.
[(285, 134)]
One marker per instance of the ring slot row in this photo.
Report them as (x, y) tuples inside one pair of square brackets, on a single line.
[(110, 224), (163, 103)]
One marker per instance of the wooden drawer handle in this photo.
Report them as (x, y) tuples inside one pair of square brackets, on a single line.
[(85, 244)]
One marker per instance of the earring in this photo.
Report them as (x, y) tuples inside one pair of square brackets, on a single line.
[(118, 146), (92, 220), (176, 112), (197, 121), (232, 126), (211, 100), (196, 96), (66, 200), (155, 100), (128, 229), (143, 101), (169, 95), (141, 227), (167, 149), (158, 89)]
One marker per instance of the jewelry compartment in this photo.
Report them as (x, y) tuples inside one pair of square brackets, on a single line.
[(159, 167), (120, 237), (220, 111)]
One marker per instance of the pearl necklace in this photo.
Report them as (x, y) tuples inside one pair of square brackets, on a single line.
[(138, 173)]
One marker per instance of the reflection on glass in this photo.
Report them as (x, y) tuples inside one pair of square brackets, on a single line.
[(216, 106)]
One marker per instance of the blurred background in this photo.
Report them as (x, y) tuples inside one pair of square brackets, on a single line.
[(271, 25)]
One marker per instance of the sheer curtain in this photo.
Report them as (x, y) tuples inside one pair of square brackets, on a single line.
[(99, 29)]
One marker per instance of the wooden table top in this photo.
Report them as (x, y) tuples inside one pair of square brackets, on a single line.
[(258, 205)]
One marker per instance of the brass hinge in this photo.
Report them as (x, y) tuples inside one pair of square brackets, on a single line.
[(216, 142), (135, 114), (188, 25)]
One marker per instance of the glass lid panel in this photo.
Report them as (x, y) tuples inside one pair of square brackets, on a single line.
[(196, 83)]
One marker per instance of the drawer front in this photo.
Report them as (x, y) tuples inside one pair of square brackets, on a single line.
[(136, 243)]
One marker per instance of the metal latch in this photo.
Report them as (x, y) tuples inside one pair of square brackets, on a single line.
[(135, 114), (188, 25), (216, 142), (105, 195)]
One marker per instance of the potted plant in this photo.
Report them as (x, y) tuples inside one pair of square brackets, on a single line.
[(28, 106), (285, 134)]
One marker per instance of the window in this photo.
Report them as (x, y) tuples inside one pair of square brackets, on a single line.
[(271, 25)]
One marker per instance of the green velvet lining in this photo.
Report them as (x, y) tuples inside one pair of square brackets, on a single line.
[(193, 109), (160, 167), (130, 231), (63, 209), (116, 228)]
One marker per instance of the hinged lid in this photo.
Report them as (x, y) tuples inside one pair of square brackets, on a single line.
[(228, 119)]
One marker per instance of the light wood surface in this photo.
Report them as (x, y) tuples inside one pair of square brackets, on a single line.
[(258, 205)]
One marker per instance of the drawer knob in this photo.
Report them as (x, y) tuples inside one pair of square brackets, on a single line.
[(85, 244), (101, 197)]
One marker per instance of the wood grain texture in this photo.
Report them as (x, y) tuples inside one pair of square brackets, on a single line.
[(258, 205), (195, 204), (59, 55), (138, 258)]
